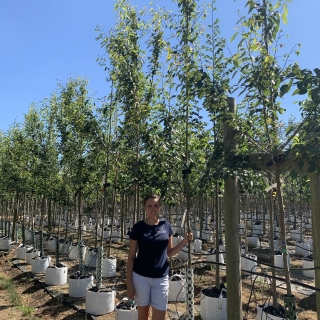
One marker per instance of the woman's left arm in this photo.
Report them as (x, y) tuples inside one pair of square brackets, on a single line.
[(171, 251)]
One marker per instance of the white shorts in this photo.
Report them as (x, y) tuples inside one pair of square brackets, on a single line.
[(151, 291)]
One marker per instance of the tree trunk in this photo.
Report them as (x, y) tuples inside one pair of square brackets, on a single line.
[(231, 211), (315, 209)]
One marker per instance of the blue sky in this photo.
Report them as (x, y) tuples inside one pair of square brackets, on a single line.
[(45, 41)]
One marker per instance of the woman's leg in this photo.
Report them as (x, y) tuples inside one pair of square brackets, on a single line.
[(143, 312), (159, 297), (158, 314)]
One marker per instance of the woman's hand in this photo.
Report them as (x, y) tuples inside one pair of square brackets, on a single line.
[(130, 291), (188, 237)]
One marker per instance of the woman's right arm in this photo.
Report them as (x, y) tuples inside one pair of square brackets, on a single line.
[(131, 257)]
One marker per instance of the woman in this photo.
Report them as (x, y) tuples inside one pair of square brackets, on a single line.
[(147, 273)]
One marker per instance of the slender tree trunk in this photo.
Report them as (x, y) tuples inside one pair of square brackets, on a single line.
[(283, 232), (217, 234), (231, 210), (315, 209), (273, 271)]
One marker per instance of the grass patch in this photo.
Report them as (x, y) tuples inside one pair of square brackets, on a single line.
[(14, 297), (26, 311), (8, 285)]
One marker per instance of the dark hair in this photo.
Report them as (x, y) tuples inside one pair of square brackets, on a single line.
[(150, 196)]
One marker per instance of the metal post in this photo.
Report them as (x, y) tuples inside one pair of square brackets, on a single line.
[(190, 294), (99, 267)]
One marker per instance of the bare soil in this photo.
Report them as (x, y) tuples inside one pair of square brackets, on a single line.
[(54, 303)]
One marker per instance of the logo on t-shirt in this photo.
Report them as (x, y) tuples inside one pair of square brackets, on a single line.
[(162, 230)]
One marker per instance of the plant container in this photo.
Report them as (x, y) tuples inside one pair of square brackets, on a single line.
[(64, 246), (183, 253), (4, 243), (295, 234), (267, 312), (211, 256), (116, 235), (176, 238), (109, 267), (83, 229), (21, 252), (213, 304), (197, 246), (30, 254), (253, 241), (40, 264), (177, 287), (56, 276), (74, 251), (278, 260), (126, 310), (257, 228), (100, 302), (248, 263), (276, 244), (207, 234), (91, 257), (307, 263), (79, 285), (106, 233), (51, 244), (302, 248), (222, 248), (12, 246)]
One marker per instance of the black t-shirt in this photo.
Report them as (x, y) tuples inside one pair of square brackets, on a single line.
[(152, 259)]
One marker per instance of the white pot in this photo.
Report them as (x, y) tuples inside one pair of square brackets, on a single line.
[(207, 234), (116, 235), (248, 265), (78, 287), (106, 233), (64, 247), (261, 315), (21, 252), (211, 257), (197, 246), (257, 229), (100, 302), (241, 228), (56, 276), (177, 288), (278, 260), (109, 268), (74, 253), (12, 246), (183, 253), (306, 264), (73, 226), (51, 244), (90, 226), (83, 229), (126, 314), (91, 258), (213, 308), (277, 245), (31, 255), (295, 234), (176, 240), (176, 229), (4, 244), (302, 248), (222, 248), (253, 242), (40, 264)]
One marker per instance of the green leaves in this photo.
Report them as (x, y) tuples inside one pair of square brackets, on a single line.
[(285, 14)]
